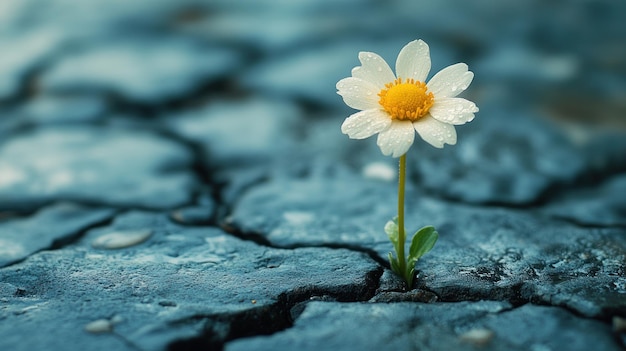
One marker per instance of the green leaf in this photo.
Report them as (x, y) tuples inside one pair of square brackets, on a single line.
[(423, 241), (394, 264), (409, 277), (391, 228), (411, 261)]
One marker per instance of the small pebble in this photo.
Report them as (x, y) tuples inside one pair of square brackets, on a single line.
[(99, 326), (478, 337), (121, 239), (379, 171), (619, 324)]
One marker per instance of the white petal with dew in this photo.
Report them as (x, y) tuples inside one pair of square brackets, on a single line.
[(450, 81), (366, 123), (434, 132), (414, 61), (358, 93), (453, 110), (397, 139), (374, 70)]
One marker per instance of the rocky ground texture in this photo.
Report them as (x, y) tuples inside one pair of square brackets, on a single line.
[(173, 177)]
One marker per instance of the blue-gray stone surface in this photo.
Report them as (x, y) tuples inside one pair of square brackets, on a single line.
[(147, 71), (173, 176), (51, 226), (484, 325), (112, 166), (169, 287)]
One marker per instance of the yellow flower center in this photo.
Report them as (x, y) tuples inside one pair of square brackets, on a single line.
[(406, 101)]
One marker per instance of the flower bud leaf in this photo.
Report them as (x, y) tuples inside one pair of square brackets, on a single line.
[(391, 228), (394, 264)]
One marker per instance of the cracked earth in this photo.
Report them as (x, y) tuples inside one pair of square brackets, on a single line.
[(173, 177)]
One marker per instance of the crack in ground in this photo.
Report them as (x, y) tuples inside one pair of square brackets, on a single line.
[(73, 238), (517, 294), (603, 318), (127, 342), (202, 171), (226, 206), (270, 319), (280, 316), (259, 239), (69, 239), (205, 171), (29, 81), (521, 294), (585, 225)]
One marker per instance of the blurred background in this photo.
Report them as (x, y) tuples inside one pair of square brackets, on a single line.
[(246, 90)]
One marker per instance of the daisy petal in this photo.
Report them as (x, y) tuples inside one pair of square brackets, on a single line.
[(366, 123), (434, 132), (414, 61), (453, 110), (397, 139), (374, 70), (450, 81), (358, 93)]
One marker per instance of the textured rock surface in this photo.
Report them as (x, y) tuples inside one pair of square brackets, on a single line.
[(113, 166), (493, 149), (149, 70), (601, 205), (240, 132), (441, 326), (50, 227), (26, 53), (483, 252), (173, 177), (178, 284)]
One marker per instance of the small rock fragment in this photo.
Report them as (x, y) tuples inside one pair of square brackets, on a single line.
[(478, 337), (121, 239), (99, 326), (390, 281), (379, 171)]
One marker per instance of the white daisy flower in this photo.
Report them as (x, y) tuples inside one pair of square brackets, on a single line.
[(397, 106)]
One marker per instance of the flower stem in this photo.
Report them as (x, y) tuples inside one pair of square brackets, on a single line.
[(401, 234)]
